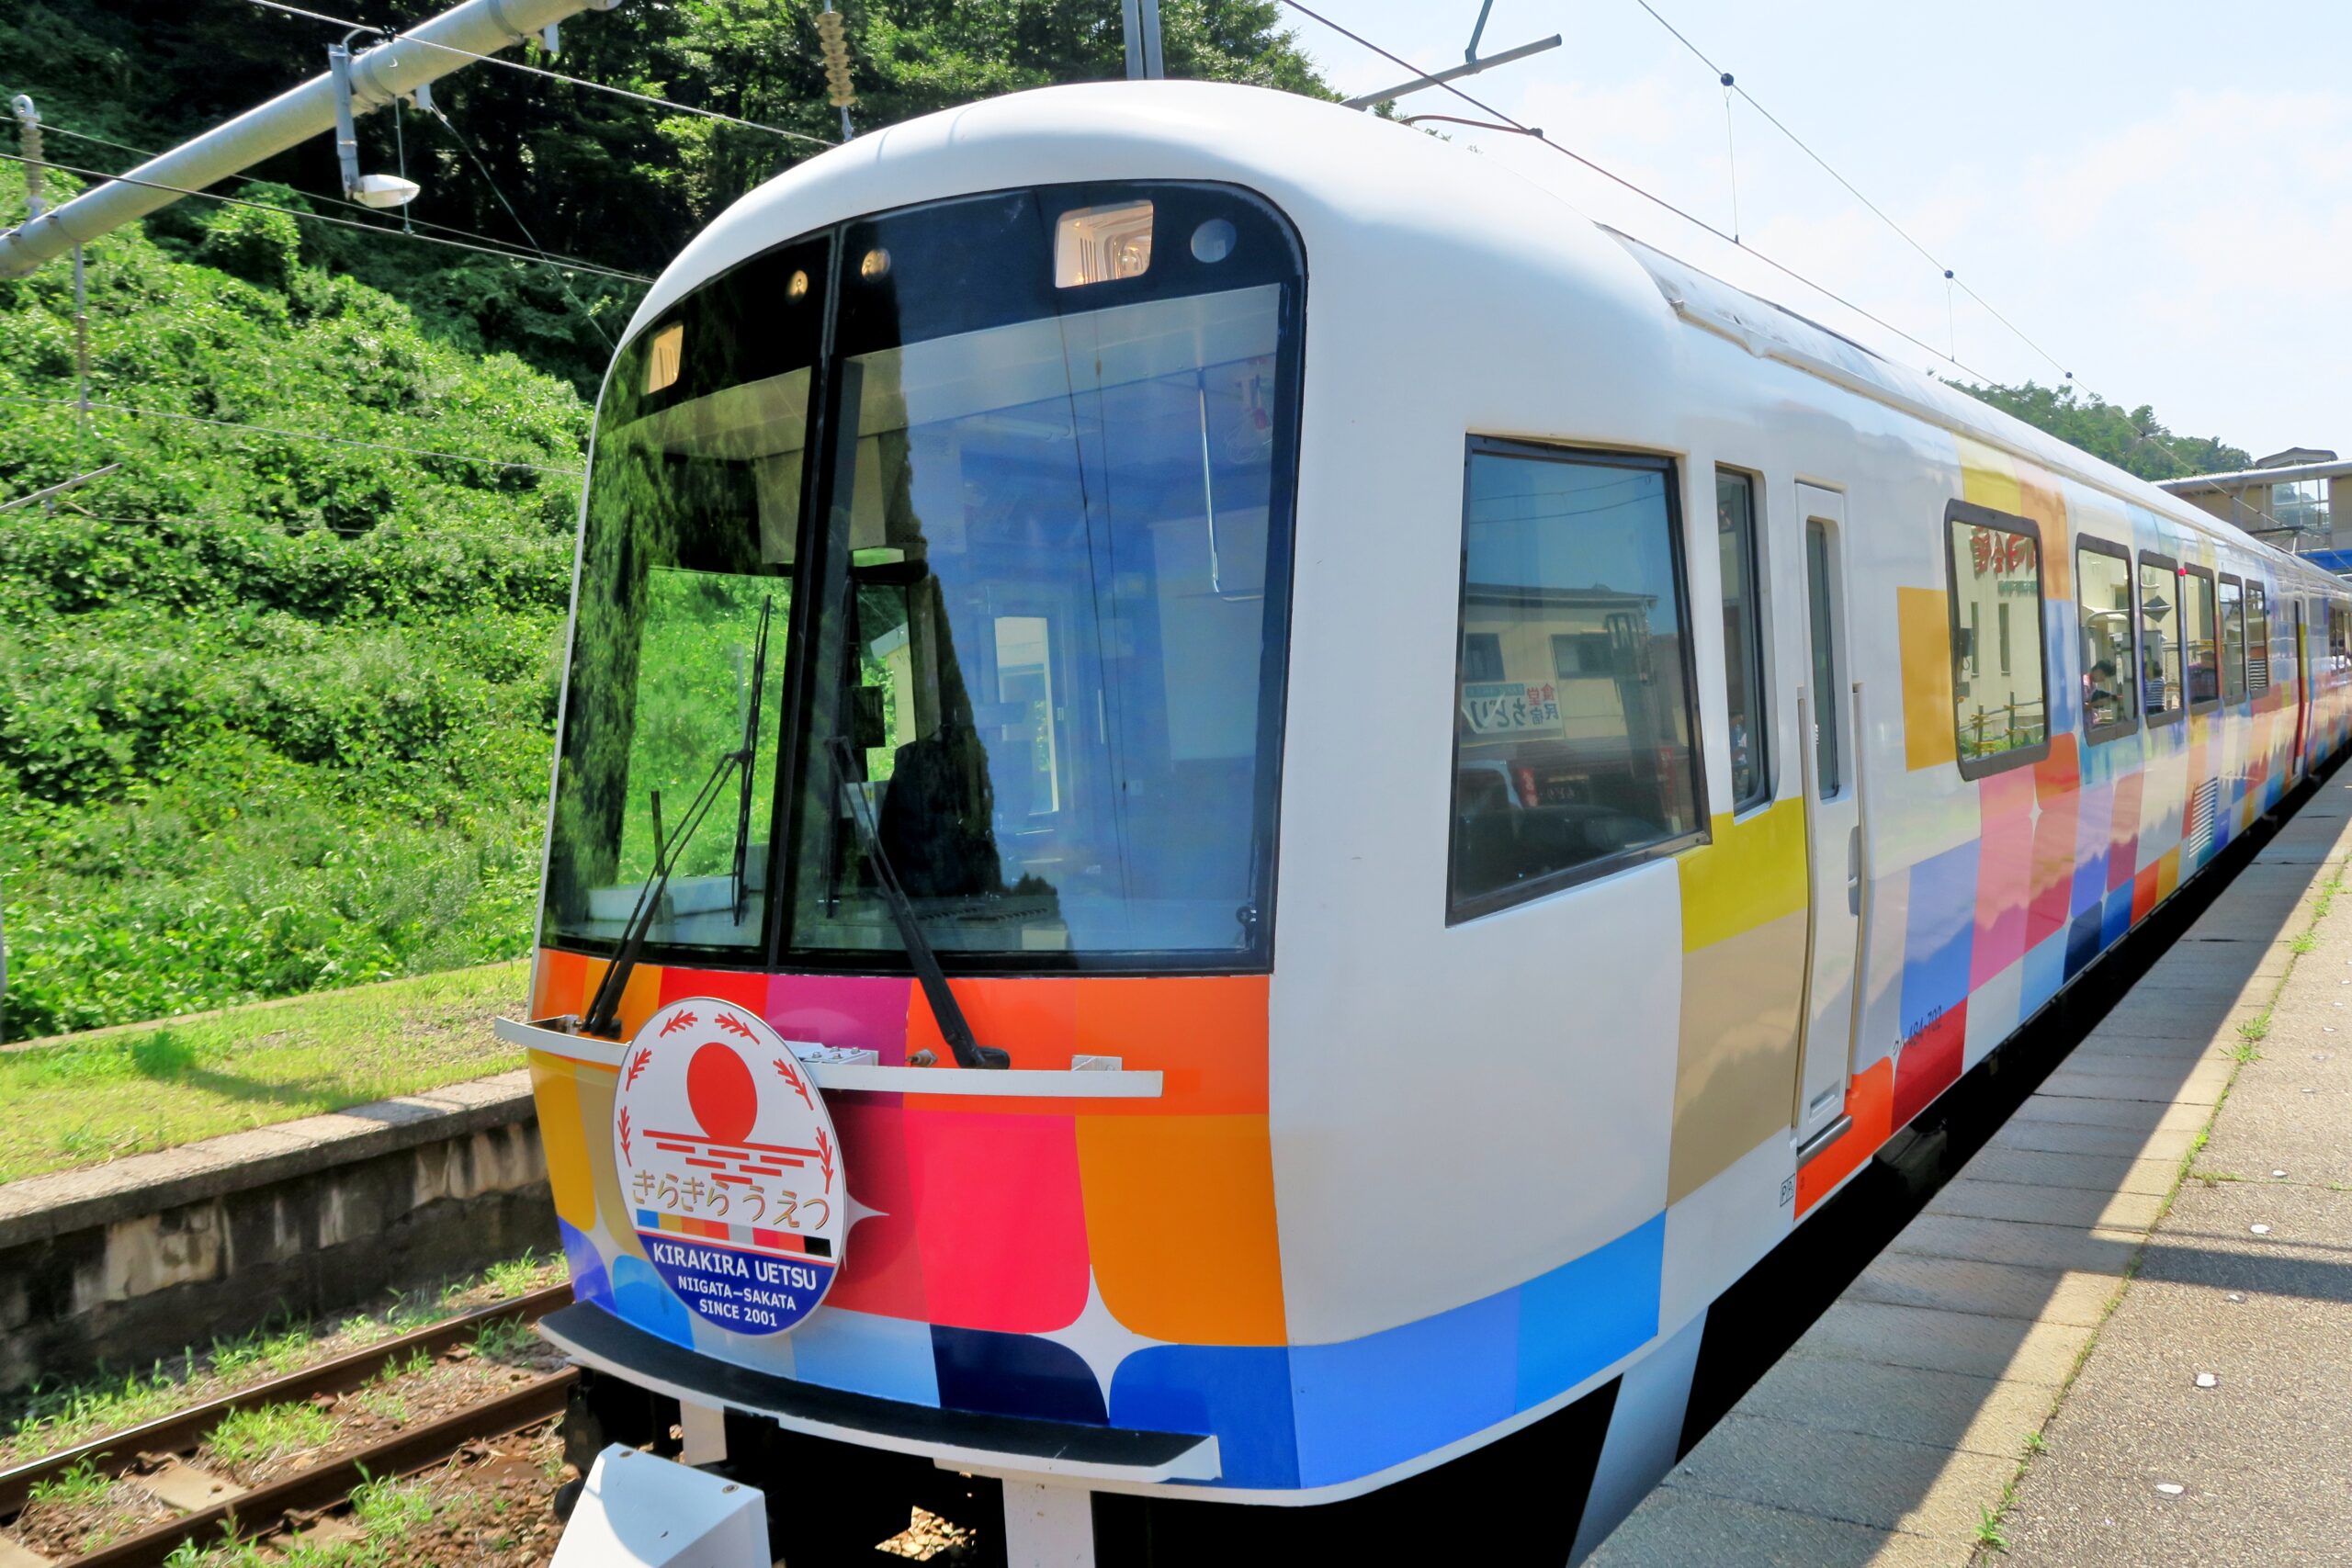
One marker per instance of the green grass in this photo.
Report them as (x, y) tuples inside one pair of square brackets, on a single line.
[(53, 1417), (245, 1436), (500, 1339), (101, 1096), (1988, 1530), (387, 1511), (81, 1484)]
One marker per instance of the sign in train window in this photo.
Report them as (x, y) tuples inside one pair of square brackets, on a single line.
[(2000, 701), (1572, 701)]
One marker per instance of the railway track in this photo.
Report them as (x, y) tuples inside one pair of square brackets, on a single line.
[(158, 1453)]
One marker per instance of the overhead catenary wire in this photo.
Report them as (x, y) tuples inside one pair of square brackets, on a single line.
[(395, 34), (491, 180), (509, 252), (237, 424), (1851, 189), (1650, 197), (2141, 435), (1952, 280), (554, 256)]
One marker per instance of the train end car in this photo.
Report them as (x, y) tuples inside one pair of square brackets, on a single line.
[(1240, 810)]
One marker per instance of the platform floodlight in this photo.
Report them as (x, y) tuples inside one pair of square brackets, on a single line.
[(384, 190), (369, 190)]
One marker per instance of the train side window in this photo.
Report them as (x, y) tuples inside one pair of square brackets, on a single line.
[(2339, 637), (2233, 640), (1556, 780), (2103, 602), (2000, 702), (2201, 638), (2160, 632), (1751, 776), (2258, 638)]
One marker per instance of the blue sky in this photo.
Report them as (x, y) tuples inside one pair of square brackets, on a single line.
[(2158, 194)]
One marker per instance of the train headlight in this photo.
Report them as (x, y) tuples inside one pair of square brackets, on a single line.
[(1096, 244)]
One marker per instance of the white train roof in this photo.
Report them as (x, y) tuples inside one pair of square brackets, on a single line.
[(1343, 166)]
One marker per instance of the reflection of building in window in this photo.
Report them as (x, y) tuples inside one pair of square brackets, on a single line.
[(2103, 598), (1577, 654), (1573, 731), (1743, 637), (2258, 638), (1999, 703), (1482, 656), (2199, 636), (2159, 634), (2233, 640)]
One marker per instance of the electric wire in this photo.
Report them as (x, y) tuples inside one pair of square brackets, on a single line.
[(508, 253), (487, 178), (128, 413), (394, 35), (1876, 211), (558, 256), (2141, 435), (1616, 178)]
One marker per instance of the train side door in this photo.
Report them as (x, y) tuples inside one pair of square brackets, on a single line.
[(2302, 690), (1833, 822)]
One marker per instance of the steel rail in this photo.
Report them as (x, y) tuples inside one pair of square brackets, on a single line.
[(323, 1485), (115, 1452)]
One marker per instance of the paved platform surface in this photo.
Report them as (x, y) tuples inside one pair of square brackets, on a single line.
[(2016, 1378)]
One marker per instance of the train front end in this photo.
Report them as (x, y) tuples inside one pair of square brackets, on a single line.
[(924, 704)]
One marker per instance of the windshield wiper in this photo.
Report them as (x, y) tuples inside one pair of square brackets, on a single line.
[(604, 1012), (751, 748), (954, 1027)]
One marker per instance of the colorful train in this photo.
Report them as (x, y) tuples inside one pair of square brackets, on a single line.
[(1308, 801)]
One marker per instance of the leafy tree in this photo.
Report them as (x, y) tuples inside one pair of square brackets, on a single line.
[(276, 714), (2134, 441), (621, 184)]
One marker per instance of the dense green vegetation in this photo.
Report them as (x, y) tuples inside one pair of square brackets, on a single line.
[(2134, 441), (274, 713)]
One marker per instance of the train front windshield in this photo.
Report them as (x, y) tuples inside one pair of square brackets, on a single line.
[(1014, 641)]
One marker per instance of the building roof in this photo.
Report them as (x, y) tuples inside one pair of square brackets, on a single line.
[(2329, 468)]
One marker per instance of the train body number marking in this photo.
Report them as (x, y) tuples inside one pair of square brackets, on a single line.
[(729, 1168)]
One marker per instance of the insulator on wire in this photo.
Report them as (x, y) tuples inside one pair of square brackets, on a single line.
[(836, 46)]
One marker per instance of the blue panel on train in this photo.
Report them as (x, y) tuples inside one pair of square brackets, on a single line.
[(1240, 1392), (1364, 1405), (1015, 1374), (2045, 971), (2116, 921), (1940, 926), (1588, 1312), (2085, 940), (586, 1266), (890, 1358), (642, 1298)]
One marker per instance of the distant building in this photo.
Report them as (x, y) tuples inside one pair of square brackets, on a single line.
[(2299, 499)]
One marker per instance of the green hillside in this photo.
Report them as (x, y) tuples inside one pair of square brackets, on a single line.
[(273, 712)]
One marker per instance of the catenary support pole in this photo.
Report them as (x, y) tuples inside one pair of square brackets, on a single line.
[(1141, 20), (378, 75)]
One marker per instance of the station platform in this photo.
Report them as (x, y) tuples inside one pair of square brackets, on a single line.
[(2123, 1333)]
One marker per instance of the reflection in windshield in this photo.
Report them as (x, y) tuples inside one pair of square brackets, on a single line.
[(685, 577), (1054, 627)]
